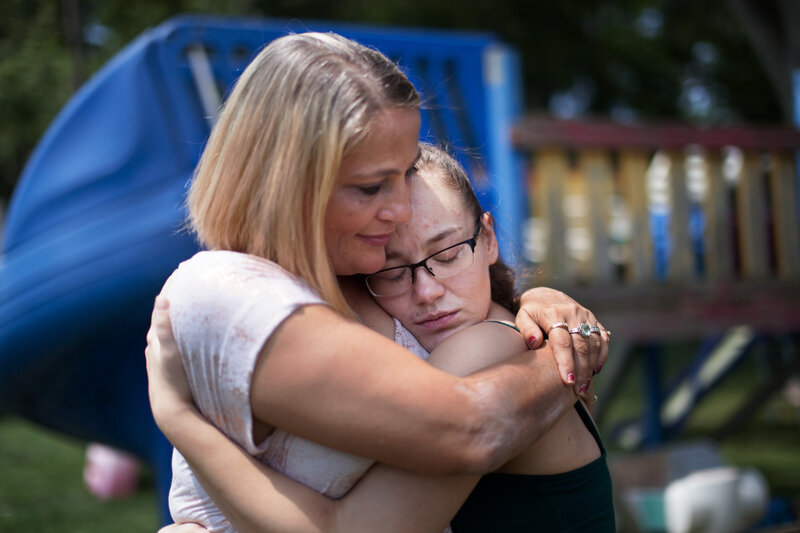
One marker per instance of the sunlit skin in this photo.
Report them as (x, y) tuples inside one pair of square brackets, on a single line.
[(371, 195), (435, 308)]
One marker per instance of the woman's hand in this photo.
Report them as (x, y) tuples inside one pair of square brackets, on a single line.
[(168, 387), (578, 358)]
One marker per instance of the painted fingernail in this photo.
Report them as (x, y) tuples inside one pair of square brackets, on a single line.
[(583, 388), (531, 340), (598, 368), (570, 378)]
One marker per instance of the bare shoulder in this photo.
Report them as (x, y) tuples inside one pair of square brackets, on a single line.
[(480, 345)]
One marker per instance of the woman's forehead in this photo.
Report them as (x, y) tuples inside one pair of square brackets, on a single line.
[(431, 194), (438, 218)]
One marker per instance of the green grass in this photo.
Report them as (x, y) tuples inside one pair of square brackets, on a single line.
[(42, 490)]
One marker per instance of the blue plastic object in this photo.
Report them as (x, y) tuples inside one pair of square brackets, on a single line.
[(94, 226)]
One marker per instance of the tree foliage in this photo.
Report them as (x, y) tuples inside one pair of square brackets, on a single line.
[(34, 81), (627, 59)]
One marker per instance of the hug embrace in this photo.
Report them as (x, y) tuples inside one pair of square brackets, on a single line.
[(349, 353)]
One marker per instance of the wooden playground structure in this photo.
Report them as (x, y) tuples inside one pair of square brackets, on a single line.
[(670, 233)]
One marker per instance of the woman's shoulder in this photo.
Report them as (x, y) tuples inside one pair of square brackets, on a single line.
[(498, 327), (217, 261), (478, 346), (224, 298), (225, 267), (219, 276)]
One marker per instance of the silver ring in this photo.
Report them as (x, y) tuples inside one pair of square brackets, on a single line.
[(599, 330), (559, 325), (584, 329)]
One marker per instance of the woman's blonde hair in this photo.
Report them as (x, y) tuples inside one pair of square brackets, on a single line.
[(266, 176)]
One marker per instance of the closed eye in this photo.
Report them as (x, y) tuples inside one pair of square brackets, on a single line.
[(449, 255), (394, 274), (370, 190)]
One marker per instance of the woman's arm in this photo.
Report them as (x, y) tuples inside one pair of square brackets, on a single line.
[(338, 383), (225, 470), (256, 498)]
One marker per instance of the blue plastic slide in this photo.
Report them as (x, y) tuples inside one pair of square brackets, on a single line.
[(95, 224)]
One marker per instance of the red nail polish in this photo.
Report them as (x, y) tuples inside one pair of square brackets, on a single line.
[(598, 368), (570, 378), (531, 339), (583, 388)]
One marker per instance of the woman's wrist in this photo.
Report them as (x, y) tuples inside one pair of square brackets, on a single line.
[(173, 414)]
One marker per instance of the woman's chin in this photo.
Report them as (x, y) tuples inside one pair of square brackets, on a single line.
[(370, 264)]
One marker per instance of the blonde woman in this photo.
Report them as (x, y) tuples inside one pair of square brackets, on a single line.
[(302, 183)]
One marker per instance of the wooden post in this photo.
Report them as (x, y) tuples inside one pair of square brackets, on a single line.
[(783, 192), (632, 169), (718, 231), (680, 257), (751, 218), (546, 186), (597, 175), (575, 210)]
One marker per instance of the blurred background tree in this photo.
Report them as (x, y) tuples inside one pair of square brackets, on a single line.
[(710, 62)]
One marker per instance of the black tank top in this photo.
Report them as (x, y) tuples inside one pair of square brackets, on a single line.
[(577, 501)]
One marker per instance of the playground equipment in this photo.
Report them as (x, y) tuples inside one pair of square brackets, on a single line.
[(94, 226), (671, 234)]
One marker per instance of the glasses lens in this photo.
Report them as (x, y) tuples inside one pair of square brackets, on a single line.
[(451, 261), (390, 283)]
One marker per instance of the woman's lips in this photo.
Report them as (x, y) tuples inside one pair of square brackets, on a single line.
[(376, 240), (437, 321)]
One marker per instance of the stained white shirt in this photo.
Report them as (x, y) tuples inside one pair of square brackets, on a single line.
[(224, 306)]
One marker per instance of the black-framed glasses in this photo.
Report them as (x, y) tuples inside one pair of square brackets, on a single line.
[(448, 262)]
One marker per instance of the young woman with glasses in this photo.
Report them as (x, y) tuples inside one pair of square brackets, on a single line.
[(559, 484)]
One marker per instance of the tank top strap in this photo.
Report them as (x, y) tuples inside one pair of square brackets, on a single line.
[(506, 324), (586, 418)]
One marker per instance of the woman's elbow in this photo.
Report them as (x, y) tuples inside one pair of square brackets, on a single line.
[(476, 459), (486, 442)]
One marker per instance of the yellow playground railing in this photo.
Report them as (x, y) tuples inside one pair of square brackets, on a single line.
[(668, 233)]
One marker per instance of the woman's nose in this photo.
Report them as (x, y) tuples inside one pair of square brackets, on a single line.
[(398, 204), (427, 287)]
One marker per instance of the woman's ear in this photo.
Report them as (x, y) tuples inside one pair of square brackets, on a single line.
[(491, 239)]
